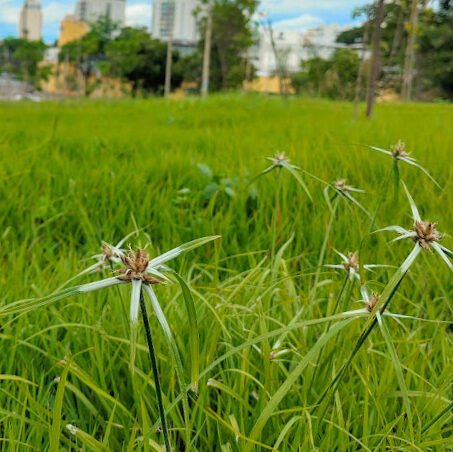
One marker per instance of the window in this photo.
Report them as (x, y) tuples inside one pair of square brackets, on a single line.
[(83, 10)]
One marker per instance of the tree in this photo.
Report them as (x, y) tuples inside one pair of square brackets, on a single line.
[(232, 35), (409, 58), (137, 58), (89, 51), (375, 58), (436, 49), (21, 58)]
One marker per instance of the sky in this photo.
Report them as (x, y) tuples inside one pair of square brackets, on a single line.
[(285, 14)]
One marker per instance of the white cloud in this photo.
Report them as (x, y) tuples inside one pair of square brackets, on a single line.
[(55, 12), (9, 13), (138, 15), (300, 23), (298, 6)]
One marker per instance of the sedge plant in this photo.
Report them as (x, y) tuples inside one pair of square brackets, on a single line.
[(398, 154), (281, 162), (426, 238), (142, 274)]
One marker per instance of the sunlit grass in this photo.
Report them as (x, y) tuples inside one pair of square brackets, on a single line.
[(271, 334)]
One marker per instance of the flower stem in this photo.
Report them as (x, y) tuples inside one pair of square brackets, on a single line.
[(396, 173), (318, 360), (276, 213), (381, 199), (152, 356)]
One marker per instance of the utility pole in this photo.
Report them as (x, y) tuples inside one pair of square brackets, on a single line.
[(207, 51), (375, 59), (171, 20)]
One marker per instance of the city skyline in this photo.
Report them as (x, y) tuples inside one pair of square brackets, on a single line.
[(285, 14)]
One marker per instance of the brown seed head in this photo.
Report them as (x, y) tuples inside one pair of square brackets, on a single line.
[(106, 253), (352, 262), (342, 186), (136, 263), (398, 150), (426, 233), (370, 305)]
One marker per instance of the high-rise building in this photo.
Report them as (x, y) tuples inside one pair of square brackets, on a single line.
[(30, 21), (92, 10), (175, 19)]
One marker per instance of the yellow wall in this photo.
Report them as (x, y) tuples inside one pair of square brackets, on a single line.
[(70, 30), (268, 85)]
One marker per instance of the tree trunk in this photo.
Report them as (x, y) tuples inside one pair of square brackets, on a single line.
[(418, 75), (409, 57), (358, 85), (375, 58), (207, 52), (278, 63), (168, 68), (398, 34)]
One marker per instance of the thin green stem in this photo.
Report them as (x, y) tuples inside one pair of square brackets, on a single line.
[(324, 247), (337, 302), (276, 213), (152, 356), (396, 172), (381, 199), (365, 333)]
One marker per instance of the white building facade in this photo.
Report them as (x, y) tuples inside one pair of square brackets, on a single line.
[(91, 10), (30, 21), (175, 19), (293, 47)]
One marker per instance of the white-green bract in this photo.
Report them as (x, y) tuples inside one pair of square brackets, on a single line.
[(154, 268), (350, 264), (341, 188), (370, 299), (424, 234), (281, 161), (398, 153)]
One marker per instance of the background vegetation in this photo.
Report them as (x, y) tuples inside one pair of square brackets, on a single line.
[(75, 173)]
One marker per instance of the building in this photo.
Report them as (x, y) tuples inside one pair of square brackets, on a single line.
[(293, 47), (71, 29), (30, 21), (91, 10), (175, 19)]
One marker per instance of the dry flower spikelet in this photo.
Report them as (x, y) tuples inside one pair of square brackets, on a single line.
[(279, 158), (352, 263), (426, 233), (136, 264), (398, 150), (106, 253), (342, 186), (373, 301)]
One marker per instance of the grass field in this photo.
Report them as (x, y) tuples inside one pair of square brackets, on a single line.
[(74, 174)]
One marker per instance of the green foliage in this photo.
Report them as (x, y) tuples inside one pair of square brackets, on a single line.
[(334, 78), (108, 168), (88, 52), (135, 57), (232, 35), (434, 48), (21, 58)]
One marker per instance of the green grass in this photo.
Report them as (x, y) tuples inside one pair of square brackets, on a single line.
[(75, 173)]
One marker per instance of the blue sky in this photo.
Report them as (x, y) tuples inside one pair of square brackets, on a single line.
[(286, 14)]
